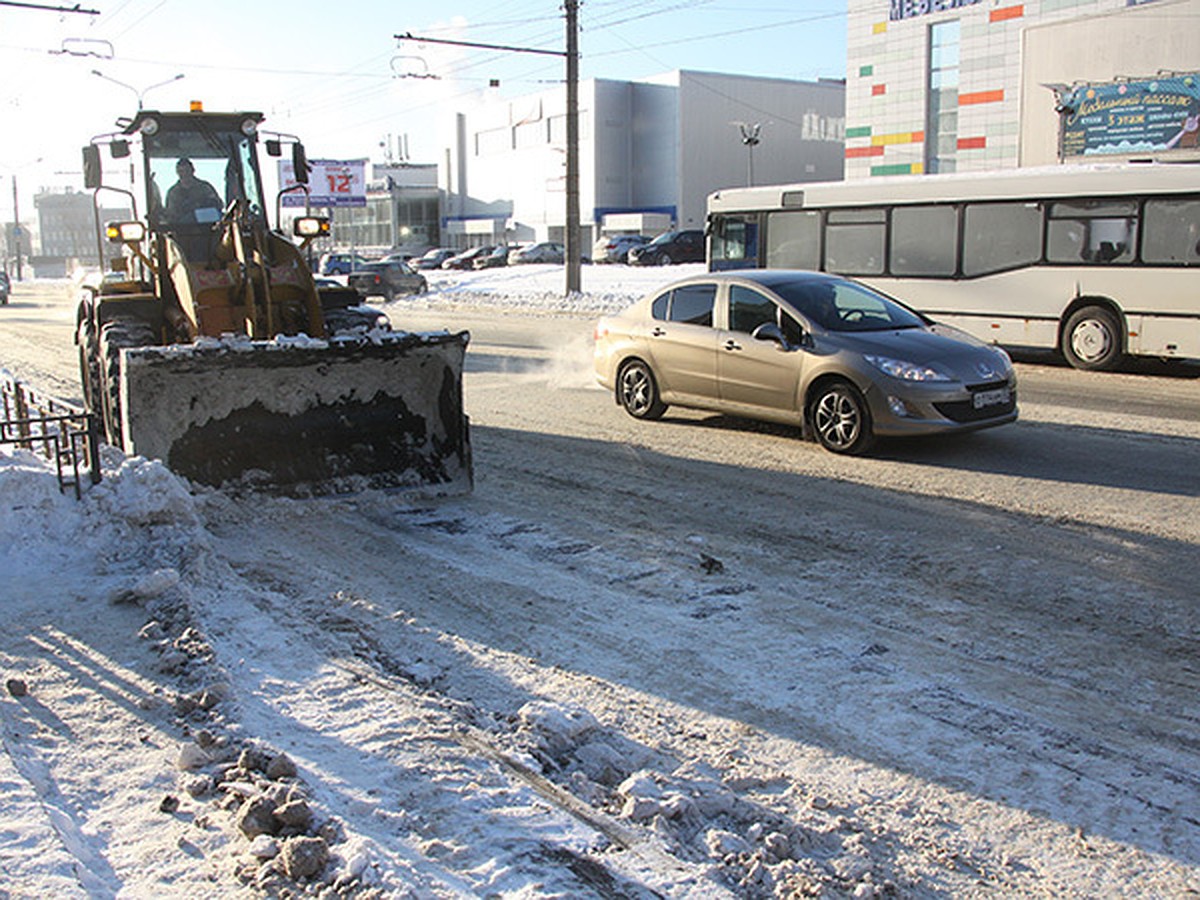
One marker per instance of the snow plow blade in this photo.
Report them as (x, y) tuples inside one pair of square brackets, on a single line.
[(300, 416)]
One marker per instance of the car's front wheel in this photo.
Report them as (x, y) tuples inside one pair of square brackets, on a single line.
[(638, 391), (840, 418)]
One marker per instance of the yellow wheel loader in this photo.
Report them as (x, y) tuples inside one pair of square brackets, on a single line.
[(207, 344)]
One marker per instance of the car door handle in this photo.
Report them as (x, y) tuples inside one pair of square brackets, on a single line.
[(731, 344), (658, 332)]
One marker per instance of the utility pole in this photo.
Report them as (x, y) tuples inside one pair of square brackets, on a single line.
[(17, 227), (574, 257)]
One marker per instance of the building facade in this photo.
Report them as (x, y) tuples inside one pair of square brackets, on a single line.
[(969, 85), (402, 213), (66, 231), (650, 153)]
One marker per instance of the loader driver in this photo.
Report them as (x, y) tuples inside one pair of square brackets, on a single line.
[(192, 201)]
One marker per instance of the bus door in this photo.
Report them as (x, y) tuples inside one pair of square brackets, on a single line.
[(733, 242)]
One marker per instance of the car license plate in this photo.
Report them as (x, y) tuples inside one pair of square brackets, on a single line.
[(990, 398)]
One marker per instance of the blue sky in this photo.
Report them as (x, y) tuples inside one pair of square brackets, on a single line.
[(328, 71)]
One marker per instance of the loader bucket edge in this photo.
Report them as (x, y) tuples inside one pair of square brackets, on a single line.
[(303, 417)]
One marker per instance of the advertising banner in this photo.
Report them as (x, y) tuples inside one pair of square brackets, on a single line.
[(1154, 115), (331, 183)]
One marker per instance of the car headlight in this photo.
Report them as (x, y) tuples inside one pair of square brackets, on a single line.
[(1005, 359), (907, 371)]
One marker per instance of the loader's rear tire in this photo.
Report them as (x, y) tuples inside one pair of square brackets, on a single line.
[(115, 336)]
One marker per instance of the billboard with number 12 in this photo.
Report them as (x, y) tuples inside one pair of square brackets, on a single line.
[(331, 183)]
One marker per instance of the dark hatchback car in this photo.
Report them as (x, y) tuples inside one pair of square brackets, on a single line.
[(390, 280), (5, 287), (670, 247)]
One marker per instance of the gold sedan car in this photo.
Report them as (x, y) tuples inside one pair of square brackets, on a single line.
[(833, 356)]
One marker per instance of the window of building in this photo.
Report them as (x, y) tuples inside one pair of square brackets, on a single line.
[(941, 127), (854, 241), (1000, 236), (924, 240), (794, 240), (1172, 232)]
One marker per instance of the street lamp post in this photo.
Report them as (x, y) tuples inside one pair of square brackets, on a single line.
[(143, 92), (751, 139)]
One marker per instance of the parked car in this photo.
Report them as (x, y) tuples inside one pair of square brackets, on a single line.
[(496, 258), (670, 247), (833, 356), (5, 288), (340, 263), (434, 258), (544, 252), (615, 248), (387, 279), (466, 259)]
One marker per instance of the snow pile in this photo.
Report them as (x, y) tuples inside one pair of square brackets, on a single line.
[(542, 288)]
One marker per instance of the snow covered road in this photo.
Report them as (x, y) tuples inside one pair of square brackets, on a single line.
[(684, 659)]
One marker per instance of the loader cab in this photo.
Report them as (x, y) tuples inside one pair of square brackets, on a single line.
[(196, 167)]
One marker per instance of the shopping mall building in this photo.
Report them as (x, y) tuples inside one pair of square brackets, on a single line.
[(967, 85)]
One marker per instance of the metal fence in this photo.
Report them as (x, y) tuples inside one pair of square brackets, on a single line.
[(64, 434)]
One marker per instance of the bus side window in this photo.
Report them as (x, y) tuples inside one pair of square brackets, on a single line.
[(1092, 231), (793, 240), (924, 240), (854, 241), (1172, 232), (1001, 236)]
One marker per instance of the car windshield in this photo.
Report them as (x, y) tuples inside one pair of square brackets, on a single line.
[(664, 238), (845, 306)]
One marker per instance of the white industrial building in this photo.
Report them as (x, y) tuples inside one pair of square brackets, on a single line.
[(650, 153)]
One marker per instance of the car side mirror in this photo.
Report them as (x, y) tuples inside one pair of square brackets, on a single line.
[(769, 331)]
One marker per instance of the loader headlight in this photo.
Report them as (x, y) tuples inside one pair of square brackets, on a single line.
[(125, 232), (150, 127), (310, 227), (249, 127)]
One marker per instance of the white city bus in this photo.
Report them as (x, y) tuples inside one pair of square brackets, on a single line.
[(1098, 261)]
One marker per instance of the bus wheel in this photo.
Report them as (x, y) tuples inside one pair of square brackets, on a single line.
[(1092, 339)]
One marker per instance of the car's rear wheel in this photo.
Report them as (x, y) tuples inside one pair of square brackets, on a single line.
[(638, 391), (840, 418)]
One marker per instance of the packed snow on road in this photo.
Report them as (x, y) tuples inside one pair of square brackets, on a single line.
[(578, 681)]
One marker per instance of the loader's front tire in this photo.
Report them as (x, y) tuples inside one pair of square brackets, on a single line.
[(89, 365), (115, 336)]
